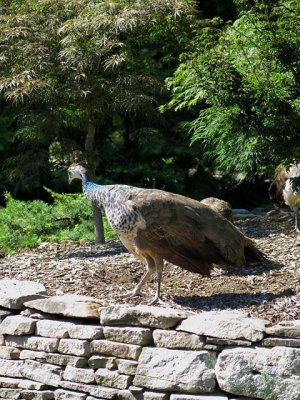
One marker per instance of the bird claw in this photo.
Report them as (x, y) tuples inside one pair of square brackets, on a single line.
[(156, 300), (133, 294)]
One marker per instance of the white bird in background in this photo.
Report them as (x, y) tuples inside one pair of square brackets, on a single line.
[(282, 190)]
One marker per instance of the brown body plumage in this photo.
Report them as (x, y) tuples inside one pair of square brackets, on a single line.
[(221, 206), (156, 225)]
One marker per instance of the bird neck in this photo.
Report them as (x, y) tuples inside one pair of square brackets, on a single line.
[(91, 190)]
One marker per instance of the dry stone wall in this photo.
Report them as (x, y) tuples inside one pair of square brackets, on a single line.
[(67, 347)]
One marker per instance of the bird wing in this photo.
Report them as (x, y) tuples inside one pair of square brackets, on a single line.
[(185, 232)]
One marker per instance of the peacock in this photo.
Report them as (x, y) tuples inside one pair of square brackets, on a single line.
[(158, 226), (282, 190)]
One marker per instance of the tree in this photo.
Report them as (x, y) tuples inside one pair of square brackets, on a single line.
[(243, 79), (82, 64)]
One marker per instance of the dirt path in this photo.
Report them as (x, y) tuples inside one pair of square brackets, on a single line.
[(270, 291)]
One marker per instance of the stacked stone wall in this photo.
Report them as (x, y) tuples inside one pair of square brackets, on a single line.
[(69, 347)]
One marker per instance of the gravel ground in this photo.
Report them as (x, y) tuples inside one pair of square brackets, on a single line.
[(269, 290)]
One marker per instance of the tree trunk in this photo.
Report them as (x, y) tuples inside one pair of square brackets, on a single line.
[(90, 158)]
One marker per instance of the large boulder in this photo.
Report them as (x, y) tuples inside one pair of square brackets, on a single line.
[(259, 372)]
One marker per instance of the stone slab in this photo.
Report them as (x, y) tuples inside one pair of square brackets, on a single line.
[(11, 368), (113, 379), (80, 375), (176, 370), (127, 367), (37, 395), (96, 362), (149, 316), (36, 343), (14, 293), (9, 353), (212, 396), (53, 329), (61, 394), (17, 325), (33, 355), (225, 325), (69, 305), (287, 342), (89, 332), (76, 347), (11, 383), (178, 340), (228, 342), (290, 329), (131, 335), (120, 350), (10, 394), (40, 372), (64, 359)]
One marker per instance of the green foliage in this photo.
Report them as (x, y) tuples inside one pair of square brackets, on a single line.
[(244, 81), (28, 223)]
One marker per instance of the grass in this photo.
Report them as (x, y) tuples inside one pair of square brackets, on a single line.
[(28, 223)]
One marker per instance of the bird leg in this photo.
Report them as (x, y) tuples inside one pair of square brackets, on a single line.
[(150, 270), (296, 220), (159, 269)]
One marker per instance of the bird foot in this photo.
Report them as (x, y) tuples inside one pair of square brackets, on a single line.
[(133, 294), (156, 300)]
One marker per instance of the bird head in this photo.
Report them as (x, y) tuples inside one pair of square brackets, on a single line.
[(76, 171)]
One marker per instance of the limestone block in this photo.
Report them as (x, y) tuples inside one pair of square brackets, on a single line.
[(4, 314), (127, 367), (94, 390), (14, 293), (64, 359), (33, 355), (9, 353), (11, 368), (125, 394), (260, 372), (68, 305), (287, 342), (225, 325), (103, 392), (96, 362), (74, 347), (131, 335), (53, 329), (290, 329), (10, 394), (113, 379), (12, 383), (17, 325), (121, 350), (61, 394), (44, 373), (2, 340), (155, 396), (141, 315), (79, 387), (212, 396), (36, 343), (169, 370), (78, 331), (37, 395), (178, 340), (32, 385), (228, 342), (80, 375)]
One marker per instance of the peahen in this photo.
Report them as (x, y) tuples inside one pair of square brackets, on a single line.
[(156, 225), (282, 190)]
